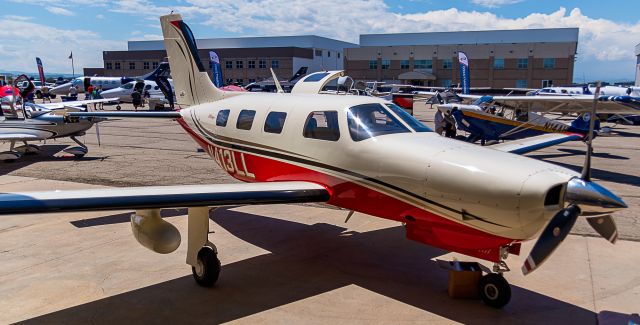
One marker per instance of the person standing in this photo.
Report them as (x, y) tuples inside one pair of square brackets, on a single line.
[(136, 99), (97, 94), (73, 92), (438, 122), (89, 92)]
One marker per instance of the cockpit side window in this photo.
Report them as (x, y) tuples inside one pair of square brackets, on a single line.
[(128, 86), (222, 118), (408, 119), (322, 125), (371, 120)]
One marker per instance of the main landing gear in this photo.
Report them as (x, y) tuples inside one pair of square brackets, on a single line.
[(493, 288), (202, 255)]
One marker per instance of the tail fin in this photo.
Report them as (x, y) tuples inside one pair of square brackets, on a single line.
[(161, 71), (191, 82), (299, 74)]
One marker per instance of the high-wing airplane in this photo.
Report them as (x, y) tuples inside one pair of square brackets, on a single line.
[(269, 85), (38, 122), (356, 152)]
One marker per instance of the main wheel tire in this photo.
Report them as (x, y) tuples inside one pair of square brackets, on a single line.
[(207, 271), (118, 107), (78, 156), (494, 290)]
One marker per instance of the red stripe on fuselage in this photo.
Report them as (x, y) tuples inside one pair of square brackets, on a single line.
[(426, 227)]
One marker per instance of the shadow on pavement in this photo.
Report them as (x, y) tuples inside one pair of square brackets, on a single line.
[(309, 260), (47, 152)]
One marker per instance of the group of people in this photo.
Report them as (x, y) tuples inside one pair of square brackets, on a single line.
[(90, 93), (445, 123)]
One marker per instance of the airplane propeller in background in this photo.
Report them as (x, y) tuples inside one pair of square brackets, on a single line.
[(584, 198)]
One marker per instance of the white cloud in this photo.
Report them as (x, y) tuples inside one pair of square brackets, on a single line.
[(17, 17), (60, 11), (99, 16), (53, 46), (494, 3)]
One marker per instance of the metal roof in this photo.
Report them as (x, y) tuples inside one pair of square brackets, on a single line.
[(304, 41), (545, 35)]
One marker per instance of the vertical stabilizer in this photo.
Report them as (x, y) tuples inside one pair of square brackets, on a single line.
[(191, 82)]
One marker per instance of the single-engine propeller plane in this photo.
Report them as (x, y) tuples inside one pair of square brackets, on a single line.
[(356, 152)]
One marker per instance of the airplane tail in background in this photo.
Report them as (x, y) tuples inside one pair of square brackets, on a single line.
[(465, 79), (191, 82), (40, 71), (299, 74), (161, 71)]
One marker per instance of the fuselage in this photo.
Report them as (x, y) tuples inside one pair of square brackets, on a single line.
[(590, 90), (123, 93), (450, 194), (46, 125), (105, 82)]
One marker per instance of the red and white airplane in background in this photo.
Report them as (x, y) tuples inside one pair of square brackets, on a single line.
[(359, 153)]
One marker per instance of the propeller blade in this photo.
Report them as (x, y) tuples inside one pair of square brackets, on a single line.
[(586, 168), (552, 235), (98, 133), (605, 226)]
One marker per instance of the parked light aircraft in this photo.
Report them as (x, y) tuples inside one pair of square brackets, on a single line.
[(146, 83), (356, 152), (588, 90), (38, 122)]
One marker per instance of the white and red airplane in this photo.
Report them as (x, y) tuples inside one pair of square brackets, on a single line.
[(359, 153)]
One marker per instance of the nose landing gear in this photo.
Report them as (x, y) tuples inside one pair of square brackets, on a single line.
[(493, 288)]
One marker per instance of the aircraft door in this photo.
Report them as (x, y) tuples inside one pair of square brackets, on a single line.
[(87, 83)]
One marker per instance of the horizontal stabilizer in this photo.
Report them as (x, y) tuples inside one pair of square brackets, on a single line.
[(536, 143), (168, 114)]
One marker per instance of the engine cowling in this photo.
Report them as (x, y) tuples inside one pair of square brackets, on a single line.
[(152, 232)]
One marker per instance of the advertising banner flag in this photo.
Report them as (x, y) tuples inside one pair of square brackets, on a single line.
[(216, 68), (464, 72)]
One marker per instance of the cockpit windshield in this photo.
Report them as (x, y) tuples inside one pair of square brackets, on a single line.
[(371, 120)]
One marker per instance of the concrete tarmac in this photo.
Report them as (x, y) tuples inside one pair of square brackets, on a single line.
[(283, 263)]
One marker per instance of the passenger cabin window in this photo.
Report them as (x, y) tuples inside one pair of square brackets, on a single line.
[(245, 119), (322, 125), (222, 118), (371, 120), (275, 122)]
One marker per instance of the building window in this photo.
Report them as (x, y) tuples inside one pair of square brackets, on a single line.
[(222, 118), (547, 83), (228, 64), (109, 66), (328, 54), (251, 64), (117, 65), (523, 63), (239, 64), (274, 122), (423, 64), (404, 64), (447, 64), (275, 64), (145, 65), (229, 81), (385, 64), (498, 64), (262, 64), (549, 63), (251, 80), (322, 125), (154, 65), (373, 64), (132, 65), (338, 55), (318, 52), (245, 119), (521, 83), (445, 83), (239, 82)]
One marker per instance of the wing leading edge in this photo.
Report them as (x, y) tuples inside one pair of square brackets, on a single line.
[(153, 197), (536, 143)]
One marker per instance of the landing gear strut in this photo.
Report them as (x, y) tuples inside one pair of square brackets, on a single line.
[(78, 151), (493, 288), (202, 255)]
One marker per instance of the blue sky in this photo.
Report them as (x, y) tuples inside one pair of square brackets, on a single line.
[(52, 28)]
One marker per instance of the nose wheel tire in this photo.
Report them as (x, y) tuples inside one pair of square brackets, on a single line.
[(118, 107), (207, 271), (494, 290)]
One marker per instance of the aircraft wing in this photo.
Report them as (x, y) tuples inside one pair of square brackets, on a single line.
[(572, 103), (18, 137), (536, 143), (76, 103), (154, 197)]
